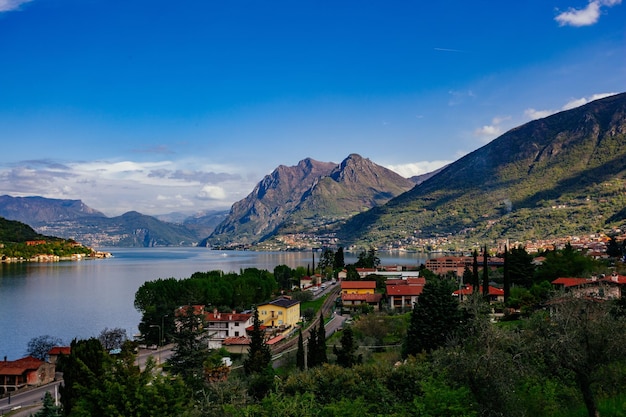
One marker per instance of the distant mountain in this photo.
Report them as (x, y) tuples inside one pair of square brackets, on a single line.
[(307, 197), (553, 177), (72, 219), (37, 211)]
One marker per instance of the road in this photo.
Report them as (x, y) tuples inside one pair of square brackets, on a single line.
[(27, 402)]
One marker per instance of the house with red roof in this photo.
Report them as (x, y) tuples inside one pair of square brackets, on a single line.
[(496, 295), (603, 287), (220, 326), (356, 293), (56, 351), (25, 372), (402, 294)]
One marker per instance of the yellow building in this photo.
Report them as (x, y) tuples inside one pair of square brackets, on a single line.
[(358, 287), (282, 313)]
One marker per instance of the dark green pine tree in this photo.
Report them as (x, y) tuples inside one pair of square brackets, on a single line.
[(485, 274), (83, 371), (339, 261), (507, 276), (300, 359), (259, 354), (322, 357), (48, 409), (311, 354), (475, 279), (346, 354), (434, 319)]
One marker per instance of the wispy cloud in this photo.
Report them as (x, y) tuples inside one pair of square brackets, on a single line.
[(534, 114), (10, 5), (586, 16), (417, 168), (493, 130), (115, 187)]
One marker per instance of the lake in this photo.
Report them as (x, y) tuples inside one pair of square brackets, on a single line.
[(79, 299)]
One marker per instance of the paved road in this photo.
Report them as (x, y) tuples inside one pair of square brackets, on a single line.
[(27, 402)]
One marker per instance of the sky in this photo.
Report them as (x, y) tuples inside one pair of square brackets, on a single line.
[(160, 106)]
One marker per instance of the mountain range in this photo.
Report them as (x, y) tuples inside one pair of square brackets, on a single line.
[(307, 198), (553, 177)]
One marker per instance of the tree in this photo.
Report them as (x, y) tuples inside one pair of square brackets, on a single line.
[(322, 357), (368, 259), (520, 267), (38, 347), (82, 369), (339, 261), (283, 275), (614, 249), (48, 409), (259, 353), (300, 358), (191, 348), (434, 318), (507, 276), (475, 280), (583, 337), (112, 338), (346, 354), (485, 274)]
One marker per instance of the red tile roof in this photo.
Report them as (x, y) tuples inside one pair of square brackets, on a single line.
[(404, 289), (570, 282), (241, 340), (470, 290), (355, 285), (20, 366), (60, 350)]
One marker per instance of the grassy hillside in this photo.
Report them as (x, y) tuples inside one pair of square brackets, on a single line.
[(561, 175)]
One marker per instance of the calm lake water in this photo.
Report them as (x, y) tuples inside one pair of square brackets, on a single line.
[(79, 299)]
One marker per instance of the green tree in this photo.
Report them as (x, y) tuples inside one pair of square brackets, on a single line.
[(434, 319), (339, 261), (321, 356), (475, 280), (520, 267), (259, 353), (82, 369), (614, 249), (507, 276), (49, 409), (582, 337), (300, 359), (566, 262), (485, 274), (191, 348), (346, 354), (368, 259)]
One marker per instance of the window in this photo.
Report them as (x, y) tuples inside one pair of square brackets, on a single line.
[(236, 334)]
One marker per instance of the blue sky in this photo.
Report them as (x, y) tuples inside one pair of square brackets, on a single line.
[(161, 106)]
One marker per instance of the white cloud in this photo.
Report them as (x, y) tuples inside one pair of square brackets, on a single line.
[(211, 192), (586, 16), (117, 187), (417, 168), (488, 132), (10, 5), (533, 114)]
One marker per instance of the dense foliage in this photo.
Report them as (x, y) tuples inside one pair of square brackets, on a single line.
[(157, 300)]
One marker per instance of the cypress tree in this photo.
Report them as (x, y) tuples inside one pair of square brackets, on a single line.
[(507, 277), (322, 357), (300, 352), (485, 275), (475, 279), (259, 353), (312, 350)]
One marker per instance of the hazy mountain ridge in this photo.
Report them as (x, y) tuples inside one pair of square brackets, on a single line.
[(72, 219), (573, 160), (307, 196)]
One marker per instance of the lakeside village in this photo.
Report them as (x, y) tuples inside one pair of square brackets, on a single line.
[(75, 252), (282, 317)]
